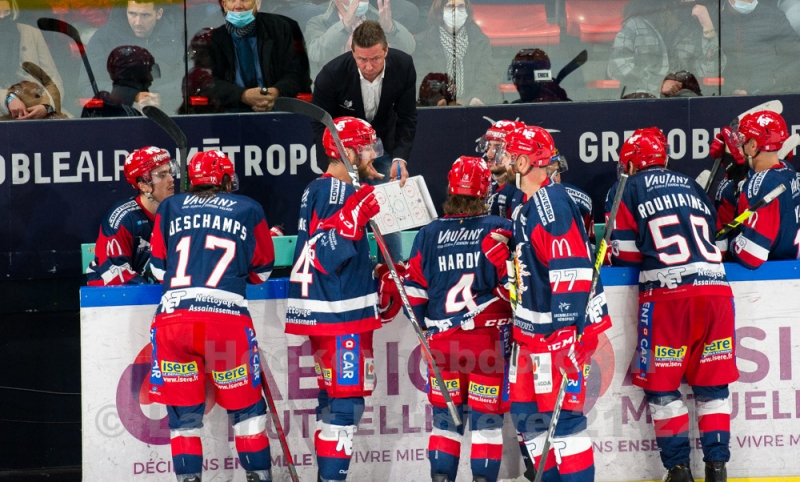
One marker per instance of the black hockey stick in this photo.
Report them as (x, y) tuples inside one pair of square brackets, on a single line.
[(738, 220), (163, 120), (579, 60), (55, 25), (598, 262), (286, 104), (276, 419)]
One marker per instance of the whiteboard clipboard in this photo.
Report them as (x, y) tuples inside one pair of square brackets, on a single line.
[(404, 208)]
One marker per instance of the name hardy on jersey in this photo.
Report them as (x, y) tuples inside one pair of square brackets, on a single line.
[(670, 201)]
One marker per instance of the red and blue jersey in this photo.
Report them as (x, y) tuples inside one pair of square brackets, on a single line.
[(206, 249), (331, 287), (554, 267), (122, 249), (450, 282), (772, 232), (665, 225), (500, 199), (584, 203)]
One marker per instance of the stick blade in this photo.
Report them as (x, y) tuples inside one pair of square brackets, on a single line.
[(775, 106), (165, 122), (789, 145)]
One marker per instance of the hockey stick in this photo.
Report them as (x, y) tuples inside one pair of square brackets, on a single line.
[(578, 61), (598, 262), (55, 25), (276, 419), (295, 106), (771, 105), (749, 211), (789, 145), (163, 120)]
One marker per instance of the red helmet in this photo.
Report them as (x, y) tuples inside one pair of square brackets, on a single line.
[(766, 127), (140, 162), (354, 133), (534, 142), (645, 147), (502, 128), (209, 167), (469, 176)]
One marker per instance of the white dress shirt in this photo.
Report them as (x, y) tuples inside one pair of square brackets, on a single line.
[(371, 94)]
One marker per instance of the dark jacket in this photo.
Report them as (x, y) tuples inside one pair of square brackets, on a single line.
[(480, 76), (763, 51), (337, 89), (283, 59), (165, 43)]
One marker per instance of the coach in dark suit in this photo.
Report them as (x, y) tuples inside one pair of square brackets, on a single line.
[(377, 84)]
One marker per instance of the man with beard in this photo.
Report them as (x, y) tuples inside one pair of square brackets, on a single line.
[(660, 37), (503, 188)]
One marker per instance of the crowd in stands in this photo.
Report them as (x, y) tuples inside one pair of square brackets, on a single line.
[(658, 49)]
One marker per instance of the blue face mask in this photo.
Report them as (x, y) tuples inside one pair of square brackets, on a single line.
[(240, 19), (361, 10), (744, 7)]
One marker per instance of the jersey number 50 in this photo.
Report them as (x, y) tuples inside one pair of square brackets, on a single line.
[(701, 237)]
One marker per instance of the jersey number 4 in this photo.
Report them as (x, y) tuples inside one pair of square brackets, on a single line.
[(212, 242)]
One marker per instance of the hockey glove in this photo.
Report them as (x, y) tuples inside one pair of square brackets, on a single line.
[(723, 139), (389, 300), (495, 247), (358, 209), (567, 352), (276, 231)]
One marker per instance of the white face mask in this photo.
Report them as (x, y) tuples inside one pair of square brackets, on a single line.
[(454, 22), (744, 7), (361, 10)]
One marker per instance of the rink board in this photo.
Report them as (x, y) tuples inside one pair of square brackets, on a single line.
[(124, 435)]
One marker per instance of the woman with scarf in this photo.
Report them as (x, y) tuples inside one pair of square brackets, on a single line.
[(454, 44), (22, 43)]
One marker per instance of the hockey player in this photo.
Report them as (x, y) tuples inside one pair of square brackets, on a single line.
[(332, 294), (665, 226), (771, 232), (122, 249), (553, 329), (455, 280), (503, 187), (207, 245)]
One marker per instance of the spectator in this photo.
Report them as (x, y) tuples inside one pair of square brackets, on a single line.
[(256, 58), (330, 34), (147, 25), (377, 84), (434, 91), (122, 251), (660, 37), (22, 43), (762, 48), (531, 74), (132, 70), (454, 43), (680, 84), (201, 79)]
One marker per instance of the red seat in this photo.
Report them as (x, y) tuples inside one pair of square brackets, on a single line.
[(516, 25), (594, 21)]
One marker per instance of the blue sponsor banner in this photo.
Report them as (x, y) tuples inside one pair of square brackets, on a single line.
[(58, 178)]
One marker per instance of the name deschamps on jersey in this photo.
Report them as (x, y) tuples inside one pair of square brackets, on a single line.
[(207, 221)]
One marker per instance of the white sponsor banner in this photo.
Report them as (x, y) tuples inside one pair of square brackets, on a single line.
[(126, 437)]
